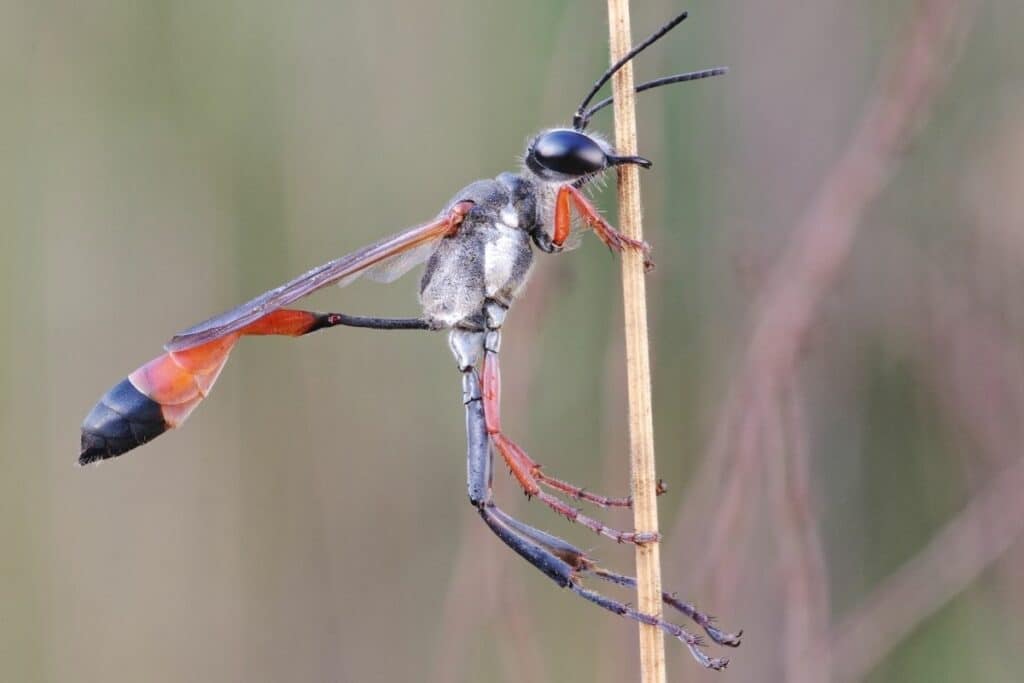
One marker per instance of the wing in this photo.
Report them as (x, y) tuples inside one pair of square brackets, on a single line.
[(393, 267), (384, 260)]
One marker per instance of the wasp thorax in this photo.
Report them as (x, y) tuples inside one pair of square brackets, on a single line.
[(562, 153)]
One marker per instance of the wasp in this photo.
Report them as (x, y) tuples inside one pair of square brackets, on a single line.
[(479, 251)]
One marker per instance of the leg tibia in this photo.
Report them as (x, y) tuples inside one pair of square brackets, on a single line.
[(565, 564), (554, 568), (478, 448)]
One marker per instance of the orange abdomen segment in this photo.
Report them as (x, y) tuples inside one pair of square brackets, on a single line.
[(156, 397), (181, 377)]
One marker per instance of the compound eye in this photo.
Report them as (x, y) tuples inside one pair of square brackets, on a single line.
[(569, 152)]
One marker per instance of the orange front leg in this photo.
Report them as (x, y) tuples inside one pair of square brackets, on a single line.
[(609, 235), (563, 219)]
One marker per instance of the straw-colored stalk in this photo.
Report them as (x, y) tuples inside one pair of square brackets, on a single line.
[(641, 426)]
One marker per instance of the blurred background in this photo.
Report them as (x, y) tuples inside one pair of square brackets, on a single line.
[(836, 340)]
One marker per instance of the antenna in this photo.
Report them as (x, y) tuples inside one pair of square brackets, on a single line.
[(579, 118), (584, 117)]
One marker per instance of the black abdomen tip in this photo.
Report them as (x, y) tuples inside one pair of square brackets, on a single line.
[(123, 419)]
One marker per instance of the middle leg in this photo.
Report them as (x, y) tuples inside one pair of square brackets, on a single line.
[(526, 471)]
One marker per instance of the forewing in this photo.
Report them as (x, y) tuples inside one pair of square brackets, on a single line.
[(394, 267), (388, 255)]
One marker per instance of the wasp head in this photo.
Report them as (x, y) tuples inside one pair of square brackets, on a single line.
[(566, 155)]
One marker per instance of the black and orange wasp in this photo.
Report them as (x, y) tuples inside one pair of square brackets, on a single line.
[(478, 253)]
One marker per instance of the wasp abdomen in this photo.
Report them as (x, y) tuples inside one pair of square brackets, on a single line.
[(123, 419), (158, 396)]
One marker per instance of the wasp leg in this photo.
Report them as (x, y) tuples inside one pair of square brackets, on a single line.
[(560, 561), (705, 621), (566, 565), (467, 346), (478, 457), (614, 239), (523, 468)]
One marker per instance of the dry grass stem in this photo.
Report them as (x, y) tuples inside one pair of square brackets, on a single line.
[(641, 424)]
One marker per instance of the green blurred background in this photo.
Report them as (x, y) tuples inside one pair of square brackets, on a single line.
[(163, 161)]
